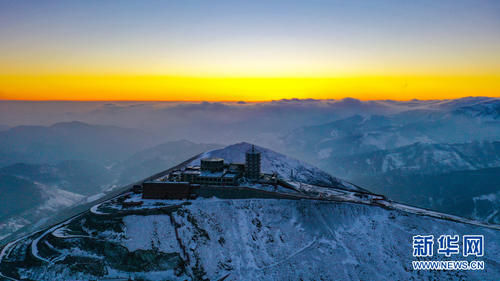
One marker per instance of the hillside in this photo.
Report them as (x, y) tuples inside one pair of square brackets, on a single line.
[(318, 233)]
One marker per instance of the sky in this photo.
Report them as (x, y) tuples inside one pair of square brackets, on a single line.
[(257, 50)]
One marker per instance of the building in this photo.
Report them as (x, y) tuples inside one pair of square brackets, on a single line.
[(213, 171), (180, 183), (237, 168), (166, 190), (190, 174), (252, 164), (212, 165)]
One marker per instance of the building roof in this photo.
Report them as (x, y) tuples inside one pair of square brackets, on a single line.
[(212, 159)]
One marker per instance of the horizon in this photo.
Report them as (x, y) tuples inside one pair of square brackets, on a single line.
[(183, 114), (243, 102), (249, 89)]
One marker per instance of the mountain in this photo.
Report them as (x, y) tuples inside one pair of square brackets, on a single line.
[(472, 194), (483, 108), (77, 176), (353, 135), (70, 141), (393, 154), (273, 162), (24, 202), (316, 233), (17, 195), (30, 193), (358, 134), (421, 158), (33, 192), (448, 177)]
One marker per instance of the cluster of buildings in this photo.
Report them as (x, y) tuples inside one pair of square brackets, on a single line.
[(213, 171), (210, 172)]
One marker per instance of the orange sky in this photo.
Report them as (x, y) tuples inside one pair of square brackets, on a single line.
[(248, 50), (178, 88)]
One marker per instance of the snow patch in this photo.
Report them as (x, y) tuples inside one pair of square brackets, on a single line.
[(57, 198), (148, 232)]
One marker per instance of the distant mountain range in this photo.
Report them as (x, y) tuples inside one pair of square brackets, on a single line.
[(406, 155), (77, 176), (420, 158), (487, 108), (70, 141), (359, 134), (461, 179)]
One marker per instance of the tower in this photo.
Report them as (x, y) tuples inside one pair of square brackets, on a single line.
[(252, 164)]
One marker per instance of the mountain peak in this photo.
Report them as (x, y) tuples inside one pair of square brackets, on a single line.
[(71, 124), (273, 162)]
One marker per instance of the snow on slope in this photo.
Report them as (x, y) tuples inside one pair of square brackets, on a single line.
[(147, 232), (487, 109), (246, 239), (311, 240), (53, 199), (57, 198), (425, 158), (275, 162)]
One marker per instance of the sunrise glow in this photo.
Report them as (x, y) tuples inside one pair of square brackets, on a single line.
[(165, 88)]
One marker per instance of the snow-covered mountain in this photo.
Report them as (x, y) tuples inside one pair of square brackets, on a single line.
[(447, 176), (325, 233), (423, 158), (356, 134), (483, 108), (441, 148), (40, 202), (273, 162), (441, 121), (30, 193)]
